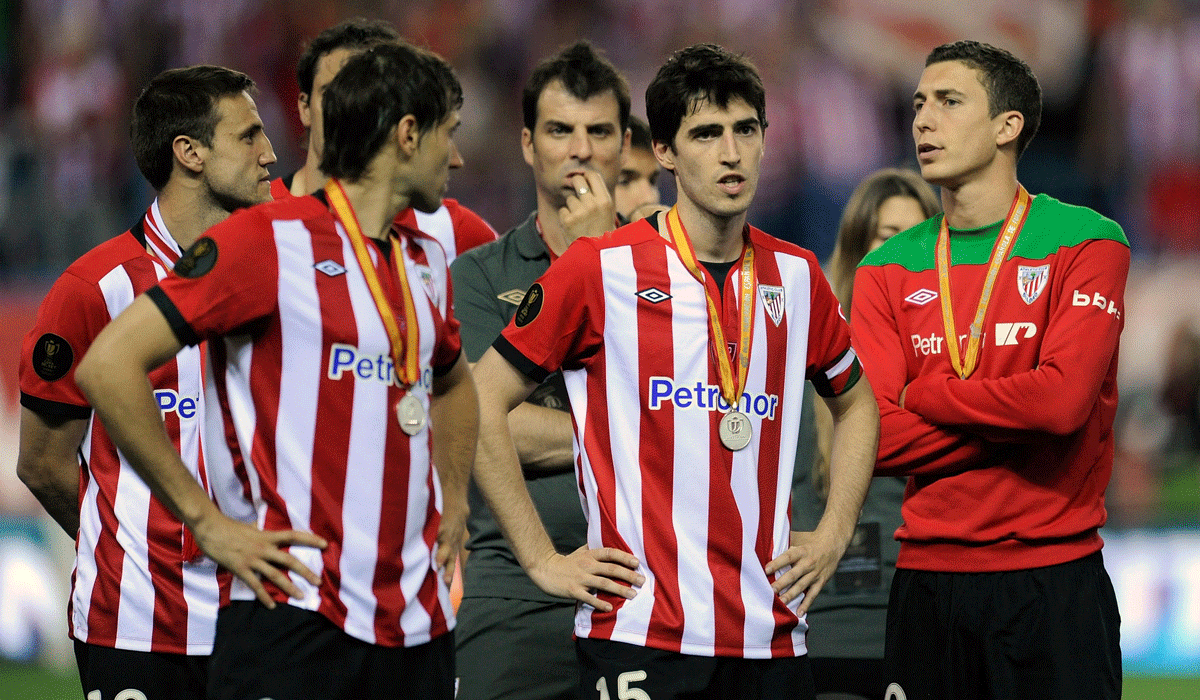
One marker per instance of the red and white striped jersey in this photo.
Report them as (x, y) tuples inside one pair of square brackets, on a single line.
[(139, 582), (627, 323), (456, 227), (302, 431)]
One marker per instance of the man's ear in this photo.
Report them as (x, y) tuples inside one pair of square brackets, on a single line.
[(187, 153), (527, 146), (664, 154), (408, 136), (304, 109), (1009, 127)]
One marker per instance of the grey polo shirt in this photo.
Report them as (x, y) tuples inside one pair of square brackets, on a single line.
[(489, 282)]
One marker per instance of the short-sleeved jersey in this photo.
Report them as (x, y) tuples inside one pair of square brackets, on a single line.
[(1010, 465), (456, 227), (139, 582), (304, 432), (628, 325)]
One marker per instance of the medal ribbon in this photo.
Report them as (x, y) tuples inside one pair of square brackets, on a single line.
[(408, 371), (731, 385), (1012, 226)]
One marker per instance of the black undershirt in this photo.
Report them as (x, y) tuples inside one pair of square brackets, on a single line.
[(719, 271)]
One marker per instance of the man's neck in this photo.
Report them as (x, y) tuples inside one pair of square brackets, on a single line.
[(715, 238), (187, 214), (375, 203), (980, 202), (553, 232), (308, 179)]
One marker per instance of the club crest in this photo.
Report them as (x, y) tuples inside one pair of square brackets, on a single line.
[(772, 300), (1031, 281)]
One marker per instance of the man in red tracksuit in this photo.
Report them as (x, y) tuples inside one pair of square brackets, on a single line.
[(990, 337)]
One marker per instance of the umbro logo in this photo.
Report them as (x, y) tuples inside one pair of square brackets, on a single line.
[(654, 295), (512, 296), (921, 297), (330, 268)]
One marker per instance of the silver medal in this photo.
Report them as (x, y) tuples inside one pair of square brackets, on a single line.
[(735, 430), (410, 412)]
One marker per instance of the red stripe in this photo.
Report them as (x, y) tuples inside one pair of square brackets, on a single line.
[(656, 447), (724, 521), (110, 559), (597, 441), (428, 596), (769, 466), (393, 514)]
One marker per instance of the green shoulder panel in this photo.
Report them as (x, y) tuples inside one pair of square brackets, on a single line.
[(1051, 226)]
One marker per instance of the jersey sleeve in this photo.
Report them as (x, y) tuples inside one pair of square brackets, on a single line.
[(833, 366), (559, 323), (449, 343), (226, 281), (908, 443), (1075, 356), (470, 230), (68, 320)]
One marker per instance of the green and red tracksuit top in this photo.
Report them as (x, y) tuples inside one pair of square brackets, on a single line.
[(1009, 466)]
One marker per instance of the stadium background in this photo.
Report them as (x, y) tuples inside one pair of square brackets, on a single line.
[(1121, 133)]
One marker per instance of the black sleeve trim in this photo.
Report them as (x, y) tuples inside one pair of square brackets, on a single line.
[(55, 409), (443, 370), (183, 332), (523, 364)]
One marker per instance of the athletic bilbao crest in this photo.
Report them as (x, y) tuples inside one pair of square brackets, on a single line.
[(1031, 281), (772, 299)]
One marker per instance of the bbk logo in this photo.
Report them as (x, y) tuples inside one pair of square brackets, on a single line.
[(1009, 333), (1079, 298)]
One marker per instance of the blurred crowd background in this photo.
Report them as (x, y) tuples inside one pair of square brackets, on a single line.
[(1120, 133)]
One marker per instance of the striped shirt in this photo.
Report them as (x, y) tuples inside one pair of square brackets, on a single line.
[(302, 391), (457, 228), (628, 325), (139, 582)]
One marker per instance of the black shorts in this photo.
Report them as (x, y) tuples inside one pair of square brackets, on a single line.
[(848, 678), (516, 649), (294, 654), (612, 670), (133, 675), (1051, 632)]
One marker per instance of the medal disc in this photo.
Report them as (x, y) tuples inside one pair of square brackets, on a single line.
[(411, 414), (735, 430)]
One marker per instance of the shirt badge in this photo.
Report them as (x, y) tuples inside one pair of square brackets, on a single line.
[(772, 300), (330, 268), (512, 296), (1031, 281)]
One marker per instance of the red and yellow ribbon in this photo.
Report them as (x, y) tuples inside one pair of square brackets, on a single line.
[(409, 370), (731, 384), (1012, 226)]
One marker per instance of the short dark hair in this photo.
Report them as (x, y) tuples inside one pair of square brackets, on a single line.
[(639, 134), (583, 72), (697, 74), (179, 102), (356, 33), (373, 92), (1009, 82)]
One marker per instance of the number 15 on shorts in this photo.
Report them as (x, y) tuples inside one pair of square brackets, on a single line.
[(625, 691)]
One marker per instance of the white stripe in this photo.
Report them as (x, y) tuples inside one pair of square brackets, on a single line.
[(161, 236), (243, 415), (441, 227), (364, 461), (203, 596), (417, 558), (624, 425), (796, 275), (842, 365), (576, 383), (692, 487), (132, 509), (295, 426), (85, 557)]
